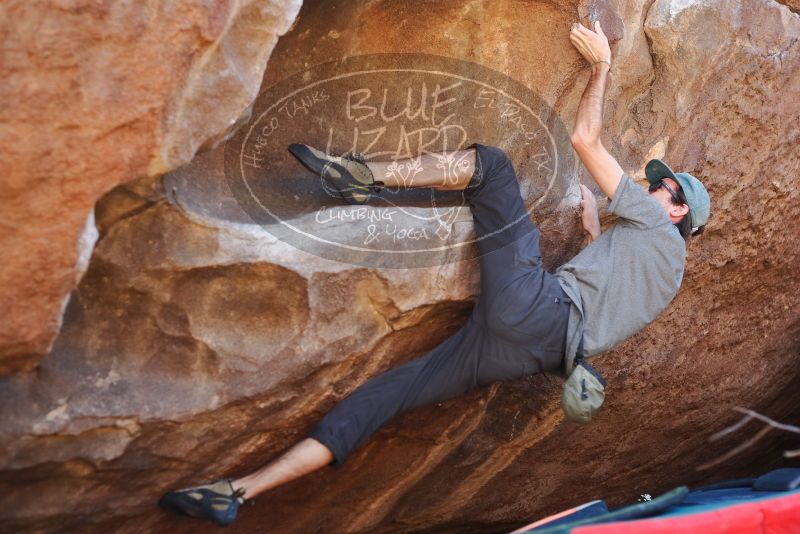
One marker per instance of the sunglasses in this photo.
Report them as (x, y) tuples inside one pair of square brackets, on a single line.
[(661, 183)]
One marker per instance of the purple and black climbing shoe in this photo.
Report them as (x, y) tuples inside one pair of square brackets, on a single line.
[(217, 501), (347, 174)]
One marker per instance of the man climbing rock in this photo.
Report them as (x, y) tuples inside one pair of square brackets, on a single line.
[(526, 319)]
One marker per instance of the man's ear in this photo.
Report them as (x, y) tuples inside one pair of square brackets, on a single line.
[(678, 211)]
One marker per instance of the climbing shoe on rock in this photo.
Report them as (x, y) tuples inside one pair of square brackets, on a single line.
[(347, 174), (217, 501)]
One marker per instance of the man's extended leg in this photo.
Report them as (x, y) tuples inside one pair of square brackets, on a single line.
[(445, 371)]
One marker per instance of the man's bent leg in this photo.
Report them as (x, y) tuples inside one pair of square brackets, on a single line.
[(498, 210), (508, 240)]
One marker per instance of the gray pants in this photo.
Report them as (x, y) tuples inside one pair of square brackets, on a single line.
[(517, 327)]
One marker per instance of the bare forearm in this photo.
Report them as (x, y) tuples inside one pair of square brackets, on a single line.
[(593, 46), (605, 170), (589, 120)]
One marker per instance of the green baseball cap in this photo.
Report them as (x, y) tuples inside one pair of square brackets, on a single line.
[(693, 189), (584, 392)]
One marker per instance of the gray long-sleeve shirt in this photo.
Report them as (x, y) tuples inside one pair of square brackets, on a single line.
[(624, 279)]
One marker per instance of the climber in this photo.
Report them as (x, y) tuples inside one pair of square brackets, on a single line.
[(526, 319)]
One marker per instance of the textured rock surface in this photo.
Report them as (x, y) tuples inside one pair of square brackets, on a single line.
[(97, 94), (196, 346)]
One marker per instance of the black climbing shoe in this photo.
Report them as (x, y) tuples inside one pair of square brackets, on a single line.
[(348, 174), (217, 501)]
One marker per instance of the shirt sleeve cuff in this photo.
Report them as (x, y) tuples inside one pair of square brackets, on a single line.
[(623, 184)]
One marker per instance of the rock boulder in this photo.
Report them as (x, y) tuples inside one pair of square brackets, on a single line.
[(95, 95), (198, 345)]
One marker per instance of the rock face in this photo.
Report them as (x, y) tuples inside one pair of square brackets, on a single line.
[(96, 95), (198, 345)]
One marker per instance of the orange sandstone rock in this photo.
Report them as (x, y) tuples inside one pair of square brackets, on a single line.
[(94, 95), (199, 345)]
